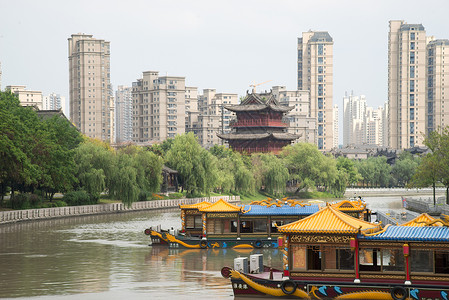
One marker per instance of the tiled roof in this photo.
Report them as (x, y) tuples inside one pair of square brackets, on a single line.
[(258, 107), (200, 205), (347, 205), (416, 222), (285, 210), (221, 206), (329, 220), (411, 233)]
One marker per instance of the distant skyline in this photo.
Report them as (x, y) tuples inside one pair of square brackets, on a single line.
[(225, 45)]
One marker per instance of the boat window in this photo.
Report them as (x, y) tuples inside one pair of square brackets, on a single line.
[(233, 226), (369, 259), (313, 258), (198, 222), (392, 260), (422, 260), (298, 257), (260, 225), (338, 258), (194, 222), (442, 262), (246, 226)]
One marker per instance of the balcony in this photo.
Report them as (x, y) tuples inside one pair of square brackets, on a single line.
[(257, 123)]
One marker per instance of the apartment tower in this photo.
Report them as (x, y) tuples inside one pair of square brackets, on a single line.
[(124, 114), (315, 74), (158, 107), (437, 71), (91, 100), (406, 84)]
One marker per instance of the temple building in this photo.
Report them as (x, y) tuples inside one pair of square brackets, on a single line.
[(259, 125)]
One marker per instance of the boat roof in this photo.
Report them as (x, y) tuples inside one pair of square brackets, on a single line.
[(200, 205), (284, 210), (221, 206), (329, 220), (421, 221), (410, 233), (348, 205)]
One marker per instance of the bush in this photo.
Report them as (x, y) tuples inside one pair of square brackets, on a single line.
[(20, 201), (143, 195), (76, 198)]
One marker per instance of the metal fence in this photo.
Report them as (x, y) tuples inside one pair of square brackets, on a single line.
[(58, 212), (426, 205)]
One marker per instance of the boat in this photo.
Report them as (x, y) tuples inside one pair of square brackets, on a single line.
[(331, 255), (225, 225)]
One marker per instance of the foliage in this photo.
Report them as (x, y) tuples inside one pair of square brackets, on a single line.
[(404, 168), (76, 198), (196, 167), (375, 171)]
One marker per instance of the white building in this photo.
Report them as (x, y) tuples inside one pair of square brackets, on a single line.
[(26, 97), (123, 114)]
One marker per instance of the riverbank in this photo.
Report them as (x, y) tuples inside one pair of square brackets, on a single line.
[(350, 192), (70, 211)]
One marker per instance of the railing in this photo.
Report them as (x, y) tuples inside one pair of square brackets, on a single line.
[(58, 212), (425, 205), (257, 122)]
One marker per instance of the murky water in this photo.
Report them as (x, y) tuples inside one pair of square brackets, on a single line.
[(108, 257)]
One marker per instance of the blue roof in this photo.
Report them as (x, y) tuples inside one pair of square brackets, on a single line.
[(406, 233), (285, 210)]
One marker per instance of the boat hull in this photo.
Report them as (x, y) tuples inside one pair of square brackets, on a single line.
[(179, 241), (256, 288)]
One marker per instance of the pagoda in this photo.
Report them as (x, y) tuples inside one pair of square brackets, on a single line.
[(258, 126)]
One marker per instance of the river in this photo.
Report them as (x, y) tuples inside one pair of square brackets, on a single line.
[(108, 257)]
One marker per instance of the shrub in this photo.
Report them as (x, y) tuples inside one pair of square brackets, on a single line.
[(175, 195), (76, 198), (20, 201), (143, 195)]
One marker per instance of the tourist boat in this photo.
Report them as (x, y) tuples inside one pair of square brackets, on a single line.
[(330, 255), (224, 225)]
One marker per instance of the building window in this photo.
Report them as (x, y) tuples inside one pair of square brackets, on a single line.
[(412, 113), (412, 86), (412, 35), (412, 99), (412, 57), (412, 71)]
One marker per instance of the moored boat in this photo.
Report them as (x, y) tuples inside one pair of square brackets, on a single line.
[(224, 225), (330, 255)]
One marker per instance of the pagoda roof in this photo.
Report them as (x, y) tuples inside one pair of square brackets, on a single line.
[(256, 102), (198, 206), (258, 136), (348, 205), (221, 206), (329, 221), (421, 221), (410, 233)]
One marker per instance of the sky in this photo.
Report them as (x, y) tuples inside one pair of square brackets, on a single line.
[(225, 45)]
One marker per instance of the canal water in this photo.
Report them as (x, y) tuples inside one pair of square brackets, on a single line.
[(108, 257)]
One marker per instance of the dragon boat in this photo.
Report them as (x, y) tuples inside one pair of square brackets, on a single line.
[(224, 225), (330, 255)]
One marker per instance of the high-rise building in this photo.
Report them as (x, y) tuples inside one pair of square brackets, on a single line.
[(124, 114), (315, 74), (158, 107), (437, 82), (354, 111), (406, 84), (299, 120), (213, 118), (54, 102), (91, 99), (26, 97)]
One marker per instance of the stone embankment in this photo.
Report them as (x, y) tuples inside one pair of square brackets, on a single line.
[(391, 191), (68, 211)]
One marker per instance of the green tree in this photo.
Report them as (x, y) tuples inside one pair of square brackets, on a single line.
[(275, 175), (404, 168), (427, 173), (193, 165)]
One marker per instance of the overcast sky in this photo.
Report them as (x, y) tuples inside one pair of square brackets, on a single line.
[(226, 45)]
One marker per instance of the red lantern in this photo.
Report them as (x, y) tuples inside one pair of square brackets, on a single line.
[(352, 244), (406, 248)]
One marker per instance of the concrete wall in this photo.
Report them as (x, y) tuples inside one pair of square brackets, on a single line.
[(58, 212)]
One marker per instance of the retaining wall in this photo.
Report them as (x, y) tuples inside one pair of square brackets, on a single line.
[(58, 212)]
